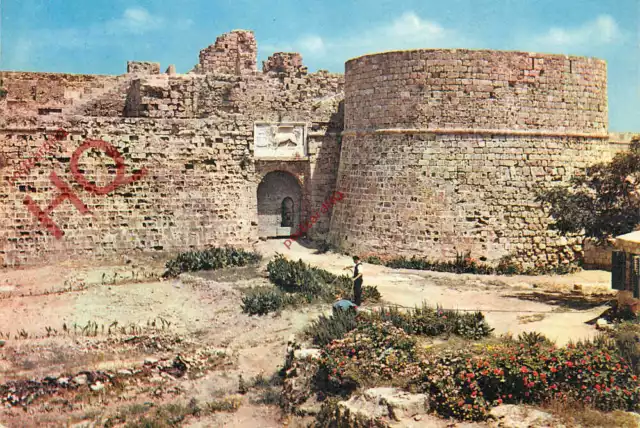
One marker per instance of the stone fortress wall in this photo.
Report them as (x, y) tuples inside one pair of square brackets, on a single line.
[(435, 151), (194, 134), (443, 151)]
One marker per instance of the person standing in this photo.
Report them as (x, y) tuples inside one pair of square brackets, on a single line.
[(357, 280)]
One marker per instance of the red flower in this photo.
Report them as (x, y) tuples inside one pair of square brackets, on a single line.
[(569, 364), (535, 373), (499, 400), (553, 369), (524, 369)]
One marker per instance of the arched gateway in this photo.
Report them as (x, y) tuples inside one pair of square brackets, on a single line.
[(279, 202)]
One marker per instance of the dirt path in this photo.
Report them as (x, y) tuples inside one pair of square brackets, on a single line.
[(511, 304)]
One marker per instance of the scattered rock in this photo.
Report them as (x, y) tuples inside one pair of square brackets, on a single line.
[(2, 342), (124, 372), (301, 354), (63, 381), (150, 361), (98, 386), (400, 403), (512, 416), (310, 407), (603, 324), (80, 379), (361, 408)]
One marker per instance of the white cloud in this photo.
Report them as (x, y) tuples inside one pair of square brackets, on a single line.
[(407, 31), (312, 44), (413, 27), (136, 20), (601, 31)]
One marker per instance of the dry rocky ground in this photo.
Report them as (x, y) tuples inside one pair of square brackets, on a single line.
[(107, 346)]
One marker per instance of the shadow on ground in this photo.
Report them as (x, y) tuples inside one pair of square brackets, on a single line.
[(574, 301)]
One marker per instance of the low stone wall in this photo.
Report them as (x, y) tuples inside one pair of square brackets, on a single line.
[(597, 256)]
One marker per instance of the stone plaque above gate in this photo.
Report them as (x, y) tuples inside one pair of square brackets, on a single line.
[(280, 140)]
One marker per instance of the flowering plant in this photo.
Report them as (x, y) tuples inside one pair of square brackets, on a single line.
[(467, 386), (367, 355)]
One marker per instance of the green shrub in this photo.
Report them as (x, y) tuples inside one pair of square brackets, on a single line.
[(210, 259), (466, 386), (297, 277), (326, 329), (464, 263), (313, 283), (371, 294), (262, 300), (427, 321), (627, 339), (533, 338), (471, 326), (323, 247), (374, 260)]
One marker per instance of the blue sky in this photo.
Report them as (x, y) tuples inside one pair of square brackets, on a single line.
[(99, 36)]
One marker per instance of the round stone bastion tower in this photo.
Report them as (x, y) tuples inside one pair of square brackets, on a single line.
[(443, 152)]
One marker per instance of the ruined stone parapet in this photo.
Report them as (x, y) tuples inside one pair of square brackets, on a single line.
[(233, 53), (143, 67), (289, 63)]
